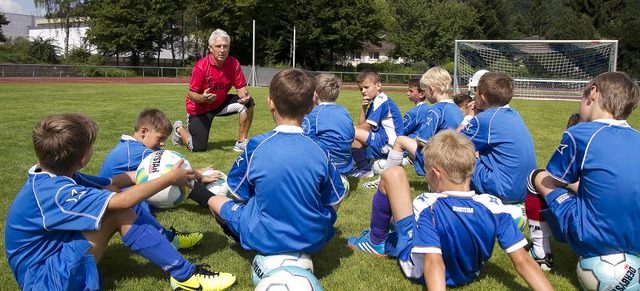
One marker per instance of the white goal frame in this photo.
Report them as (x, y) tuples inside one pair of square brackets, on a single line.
[(568, 76)]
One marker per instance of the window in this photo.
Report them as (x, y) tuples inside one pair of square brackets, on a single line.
[(374, 55), (356, 55)]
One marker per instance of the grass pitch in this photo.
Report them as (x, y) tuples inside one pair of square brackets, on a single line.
[(115, 107)]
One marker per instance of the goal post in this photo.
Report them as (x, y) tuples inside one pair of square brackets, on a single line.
[(550, 69)]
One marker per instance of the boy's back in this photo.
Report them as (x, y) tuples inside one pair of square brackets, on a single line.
[(602, 156), (463, 227), (414, 119), (506, 153), (290, 185), (124, 157), (442, 115), (332, 125)]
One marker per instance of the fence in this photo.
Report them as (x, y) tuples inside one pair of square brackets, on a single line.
[(262, 78)]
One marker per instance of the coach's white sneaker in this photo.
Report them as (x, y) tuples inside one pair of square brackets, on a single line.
[(175, 136), (240, 145)]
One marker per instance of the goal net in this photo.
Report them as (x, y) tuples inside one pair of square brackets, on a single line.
[(550, 69)]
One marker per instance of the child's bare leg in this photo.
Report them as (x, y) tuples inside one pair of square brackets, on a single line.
[(395, 184), (112, 221)]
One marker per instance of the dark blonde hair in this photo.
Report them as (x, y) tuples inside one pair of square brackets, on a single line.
[(620, 95), (452, 154), (291, 91), (154, 119), (462, 99), (327, 87), (370, 75), (61, 140), (497, 88)]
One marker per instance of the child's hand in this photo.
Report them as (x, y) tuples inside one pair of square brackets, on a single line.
[(210, 178), (181, 176), (471, 108)]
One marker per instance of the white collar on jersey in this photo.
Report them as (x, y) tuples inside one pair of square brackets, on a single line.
[(615, 122), (448, 100), (127, 137), (421, 102), (288, 128), (327, 103), (506, 106), (464, 194)]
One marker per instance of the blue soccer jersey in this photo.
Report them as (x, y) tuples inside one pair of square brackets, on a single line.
[(124, 157), (601, 219), (386, 124), (506, 151), (289, 187), (46, 219), (414, 119), (332, 125), (463, 228)]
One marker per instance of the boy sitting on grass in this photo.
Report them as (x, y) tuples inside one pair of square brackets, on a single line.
[(443, 238), (59, 224)]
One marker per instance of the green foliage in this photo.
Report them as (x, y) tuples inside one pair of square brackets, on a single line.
[(44, 51), (3, 22), (16, 50), (77, 56)]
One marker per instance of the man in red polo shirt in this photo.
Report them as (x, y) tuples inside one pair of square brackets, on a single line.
[(208, 96)]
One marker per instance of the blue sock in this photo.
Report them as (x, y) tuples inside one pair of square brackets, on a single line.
[(144, 239), (380, 217), (141, 211), (360, 157)]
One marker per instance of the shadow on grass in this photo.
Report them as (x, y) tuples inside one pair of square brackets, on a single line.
[(328, 258)]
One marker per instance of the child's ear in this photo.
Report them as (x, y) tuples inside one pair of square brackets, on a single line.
[(272, 108), (144, 130)]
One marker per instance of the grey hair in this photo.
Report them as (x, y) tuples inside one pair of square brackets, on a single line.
[(219, 33)]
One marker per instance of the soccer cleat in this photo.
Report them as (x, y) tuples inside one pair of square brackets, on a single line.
[(372, 184), (546, 263), (175, 136), (357, 173), (185, 240), (240, 146), (363, 243), (203, 279)]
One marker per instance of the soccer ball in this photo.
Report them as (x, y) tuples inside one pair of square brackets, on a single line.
[(261, 264), (378, 166), (157, 164), (610, 272), (218, 187), (289, 278), (345, 183), (518, 213)]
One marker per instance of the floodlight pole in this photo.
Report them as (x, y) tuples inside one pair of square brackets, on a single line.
[(253, 55), (294, 47)]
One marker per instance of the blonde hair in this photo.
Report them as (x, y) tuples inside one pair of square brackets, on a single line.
[(438, 78), (61, 140), (452, 154), (620, 95), (327, 87)]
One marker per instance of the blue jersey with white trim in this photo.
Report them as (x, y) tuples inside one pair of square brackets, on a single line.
[(506, 152), (126, 156), (602, 156), (332, 125), (463, 228), (384, 114), (442, 115), (289, 186), (414, 119), (48, 212)]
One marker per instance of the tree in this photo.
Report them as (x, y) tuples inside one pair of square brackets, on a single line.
[(44, 50), (496, 18), (3, 22), (67, 11)]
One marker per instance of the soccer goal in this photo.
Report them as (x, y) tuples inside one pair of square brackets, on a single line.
[(548, 69)]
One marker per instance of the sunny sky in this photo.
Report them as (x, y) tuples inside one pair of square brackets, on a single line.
[(18, 6)]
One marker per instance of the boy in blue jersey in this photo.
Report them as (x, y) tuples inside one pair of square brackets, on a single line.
[(416, 116), (151, 131), (60, 222), (331, 123), (443, 238), (379, 124), (600, 218), (442, 114), (288, 190), (504, 145)]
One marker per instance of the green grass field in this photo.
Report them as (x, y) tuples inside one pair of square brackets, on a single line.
[(115, 107)]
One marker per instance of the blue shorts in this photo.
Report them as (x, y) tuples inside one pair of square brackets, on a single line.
[(231, 213), (564, 228), (378, 146), (69, 269), (418, 162)]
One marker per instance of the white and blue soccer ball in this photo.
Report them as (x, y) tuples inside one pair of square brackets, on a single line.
[(345, 183), (289, 278), (518, 213), (262, 264), (219, 186), (379, 166), (610, 272), (154, 166)]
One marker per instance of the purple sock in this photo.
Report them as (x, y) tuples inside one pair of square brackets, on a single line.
[(380, 217), (360, 157)]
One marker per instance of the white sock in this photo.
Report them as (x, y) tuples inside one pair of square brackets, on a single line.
[(394, 158), (539, 232)]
